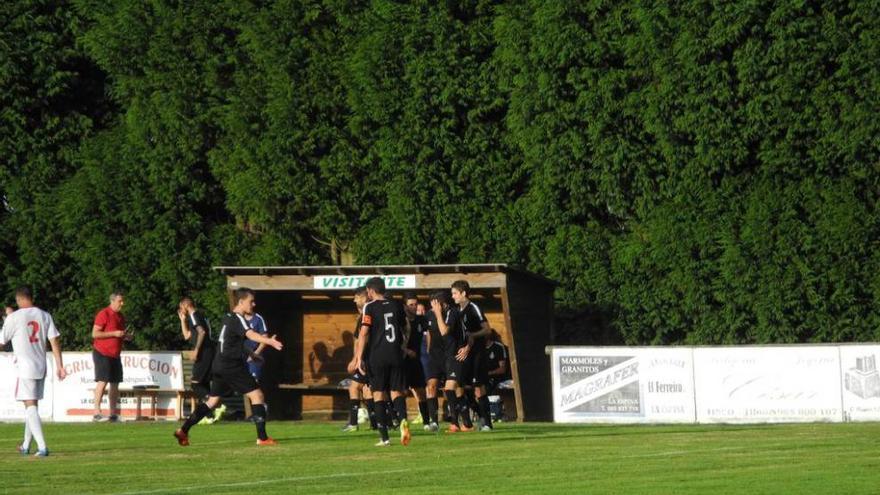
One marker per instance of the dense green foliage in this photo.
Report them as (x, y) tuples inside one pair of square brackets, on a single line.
[(144, 459), (703, 172)]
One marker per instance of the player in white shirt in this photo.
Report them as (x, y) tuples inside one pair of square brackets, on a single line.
[(28, 329)]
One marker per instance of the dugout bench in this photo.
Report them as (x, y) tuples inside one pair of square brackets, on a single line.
[(311, 310)]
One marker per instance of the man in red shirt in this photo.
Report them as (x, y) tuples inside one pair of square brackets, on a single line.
[(108, 333)]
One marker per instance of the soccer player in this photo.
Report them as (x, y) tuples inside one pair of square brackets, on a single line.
[(415, 375), (497, 359), (382, 329), (197, 331), (457, 368), (436, 351), (230, 371), (255, 358), (28, 329), (108, 334), (360, 382), (476, 328)]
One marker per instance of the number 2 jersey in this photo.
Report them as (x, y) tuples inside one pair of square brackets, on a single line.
[(28, 329), (387, 321)]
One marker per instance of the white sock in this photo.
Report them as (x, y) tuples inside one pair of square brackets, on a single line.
[(36, 427), (27, 435)]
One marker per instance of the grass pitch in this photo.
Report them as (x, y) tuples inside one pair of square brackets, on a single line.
[(316, 458)]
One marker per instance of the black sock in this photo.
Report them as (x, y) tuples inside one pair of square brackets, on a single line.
[(353, 406), (472, 401), (433, 405), (484, 411), (464, 412), (371, 409), (201, 411), (423, 410), (259, 418), (390, 414), (452, 403), (381, 420), (400, 407)]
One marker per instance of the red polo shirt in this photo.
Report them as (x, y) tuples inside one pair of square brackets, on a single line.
[(109, 321)]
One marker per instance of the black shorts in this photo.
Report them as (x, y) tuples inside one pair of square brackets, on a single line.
[(225, 381), (436, 369), (387, 376), (460, 372), (201, 372), (415, 375), (480, 371), (362, 377), (107, 369)]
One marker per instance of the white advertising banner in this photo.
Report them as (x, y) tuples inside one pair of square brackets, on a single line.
[(74, 395), (11, 409), (623, 385), (861, 382), (767, 384)]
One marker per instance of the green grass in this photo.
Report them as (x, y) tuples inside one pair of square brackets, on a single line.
[(316, 458)]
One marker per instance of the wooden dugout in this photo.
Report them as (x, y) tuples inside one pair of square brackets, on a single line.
[(311, 310)]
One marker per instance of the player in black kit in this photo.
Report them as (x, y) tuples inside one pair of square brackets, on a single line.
[(360, 382), (382, 332), (476, 327), (230, 371), (457, 368), (416, 326)]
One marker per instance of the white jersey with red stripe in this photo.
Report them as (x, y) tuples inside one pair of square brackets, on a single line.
[(28, 329)]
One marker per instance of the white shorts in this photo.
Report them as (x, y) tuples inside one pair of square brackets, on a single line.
[(29, 389)]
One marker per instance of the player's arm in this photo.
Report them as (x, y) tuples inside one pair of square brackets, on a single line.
[(99, 333), (200, 340), (184, 328), (484, 331), (407, 333), (363, 335), (55, 342), (259, 338), (441, 322)]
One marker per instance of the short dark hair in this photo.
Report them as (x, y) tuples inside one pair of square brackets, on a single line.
[(440, 296), (187, 300), (25, 292), (462, 286), (410, 295), (241, 293), (360, 291), (377, 284)]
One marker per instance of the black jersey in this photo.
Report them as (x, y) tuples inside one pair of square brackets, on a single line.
[(455, 337), (386, 320), (195, 320), (231, 352), (418, 326), (495, 353), (437, 351), (472, 321)]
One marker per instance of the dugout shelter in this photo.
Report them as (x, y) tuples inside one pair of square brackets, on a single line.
[(311, 310)]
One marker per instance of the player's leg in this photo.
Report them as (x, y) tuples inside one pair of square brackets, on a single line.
[(219, 388), (433, 403), (379, 384), (354, 403), (398, 397), (480, 380), (371, 406), (113, 400), (260, 414), (29, 392), (99, 395)]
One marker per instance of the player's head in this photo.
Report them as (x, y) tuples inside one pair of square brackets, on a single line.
[(461, 290), (360, 297), (117, 300), (187, 304), (410, 303), (421, 309), (442, 297), (243, 299), (375, 287), (24, 297)]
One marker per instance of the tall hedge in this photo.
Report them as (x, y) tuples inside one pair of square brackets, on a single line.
[(703, 172)]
